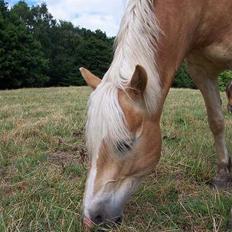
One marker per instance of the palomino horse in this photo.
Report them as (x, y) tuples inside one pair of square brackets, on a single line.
[(229, 95), (123, 125)]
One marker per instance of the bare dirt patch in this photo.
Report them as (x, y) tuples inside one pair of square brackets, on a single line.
[(11, 189), (63, 158), (74, 155), (79, 133)]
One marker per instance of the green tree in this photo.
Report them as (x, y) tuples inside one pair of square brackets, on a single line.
[(66, 47), (95, 52), (224, 78), (22, 63), (183, 79), (63, 68)]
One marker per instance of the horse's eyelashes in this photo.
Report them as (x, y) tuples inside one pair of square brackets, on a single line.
[(124, 146)]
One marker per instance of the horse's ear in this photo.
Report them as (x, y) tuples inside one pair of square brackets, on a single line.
[(139, 79), (91, 80)]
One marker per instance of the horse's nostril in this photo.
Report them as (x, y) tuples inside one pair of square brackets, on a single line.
[(118, 220), (98, 219)]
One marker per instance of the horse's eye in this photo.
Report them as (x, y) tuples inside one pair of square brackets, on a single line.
[(124, 146)]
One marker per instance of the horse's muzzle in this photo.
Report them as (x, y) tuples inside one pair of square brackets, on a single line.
[(97, 220)]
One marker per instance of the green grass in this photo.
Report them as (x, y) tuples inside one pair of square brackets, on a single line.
[(43, 166)]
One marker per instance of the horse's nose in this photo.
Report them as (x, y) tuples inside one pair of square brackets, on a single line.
[(101, 218), (97, 218), (118, 220)]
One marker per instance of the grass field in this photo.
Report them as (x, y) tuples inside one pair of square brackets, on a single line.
[(43, 166)]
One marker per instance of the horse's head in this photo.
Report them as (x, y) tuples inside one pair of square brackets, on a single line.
[(123, 142)]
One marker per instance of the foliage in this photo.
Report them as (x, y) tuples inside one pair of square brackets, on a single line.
[(22, 63), (36, 50), (224, 79), (183, 79)]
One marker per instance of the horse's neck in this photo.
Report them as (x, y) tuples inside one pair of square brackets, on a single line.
[(175, 41), (184, 27), (139, 28), (188, 25)]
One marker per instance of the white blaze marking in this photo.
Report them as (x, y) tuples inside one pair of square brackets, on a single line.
[(89, 190)]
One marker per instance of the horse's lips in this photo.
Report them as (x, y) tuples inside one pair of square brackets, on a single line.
[(88, 224)]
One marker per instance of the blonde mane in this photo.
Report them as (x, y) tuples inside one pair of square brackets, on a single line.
[(136, 43)]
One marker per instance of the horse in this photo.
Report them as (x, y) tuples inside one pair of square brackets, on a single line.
[(229, 95), (123, 133)]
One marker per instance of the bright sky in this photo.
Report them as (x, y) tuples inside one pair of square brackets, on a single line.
[(91, 14)]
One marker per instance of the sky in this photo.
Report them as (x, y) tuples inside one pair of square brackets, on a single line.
[(91, 14)]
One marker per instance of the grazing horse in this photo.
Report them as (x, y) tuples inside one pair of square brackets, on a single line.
[(123, 122), (229, 95)]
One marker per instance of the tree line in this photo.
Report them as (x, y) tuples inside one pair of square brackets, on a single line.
[(37, 50)]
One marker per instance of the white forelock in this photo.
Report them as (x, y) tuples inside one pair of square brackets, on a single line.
[(105, 118), (136, 43)]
